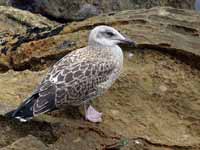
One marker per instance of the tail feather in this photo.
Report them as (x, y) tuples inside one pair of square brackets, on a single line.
[(25, 110), (10, 114)]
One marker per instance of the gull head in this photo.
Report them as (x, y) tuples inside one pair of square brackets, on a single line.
[(107, 36)]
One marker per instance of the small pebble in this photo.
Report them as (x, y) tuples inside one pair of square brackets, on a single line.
[(163, 88), (77, 140), (130, 55), (137, 142)]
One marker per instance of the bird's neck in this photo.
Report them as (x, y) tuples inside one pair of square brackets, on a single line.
[(114, 50), (109, 52), (117, 54)]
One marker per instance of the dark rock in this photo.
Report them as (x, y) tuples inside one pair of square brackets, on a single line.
[(86, 11), (67, 10), (197, 5)]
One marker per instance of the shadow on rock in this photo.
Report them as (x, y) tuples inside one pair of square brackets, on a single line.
[(12, 130)]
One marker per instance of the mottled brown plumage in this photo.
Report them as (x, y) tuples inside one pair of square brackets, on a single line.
[(77, 77)]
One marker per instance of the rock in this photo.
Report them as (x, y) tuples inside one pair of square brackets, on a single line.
[(166, 118), (30, 142), (165, 29), (17, 27), (163, 88), (7, 101), (4, 2), (66, 10), (197, 5), (153, 105)]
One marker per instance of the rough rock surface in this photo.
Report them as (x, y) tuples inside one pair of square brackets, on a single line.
[(167, 29), (17, 27), (154, 104), (197, 5), (29, 142), (66, 10)]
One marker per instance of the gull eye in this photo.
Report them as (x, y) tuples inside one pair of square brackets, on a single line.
[(110, 34)]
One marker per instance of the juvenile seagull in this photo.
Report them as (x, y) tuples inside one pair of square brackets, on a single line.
[(78, 77)]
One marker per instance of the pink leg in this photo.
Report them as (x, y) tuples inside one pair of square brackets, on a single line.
[(91, 114)]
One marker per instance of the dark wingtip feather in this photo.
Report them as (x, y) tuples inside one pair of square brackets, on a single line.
[(10, 114), (24, 111)]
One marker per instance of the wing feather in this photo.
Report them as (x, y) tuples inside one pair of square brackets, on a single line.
[(72, 85), (81, 81), (72, 80)]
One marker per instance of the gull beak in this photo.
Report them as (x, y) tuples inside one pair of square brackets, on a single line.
[(128, 42)]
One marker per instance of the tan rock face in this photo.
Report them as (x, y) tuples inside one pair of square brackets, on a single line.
[(153, 105), (30, 142), (164, 29), (134, 107)]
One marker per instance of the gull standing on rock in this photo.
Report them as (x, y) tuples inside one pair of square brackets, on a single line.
[(78, 77)]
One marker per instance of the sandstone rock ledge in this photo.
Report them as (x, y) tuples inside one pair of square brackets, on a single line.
[(154, 104)]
